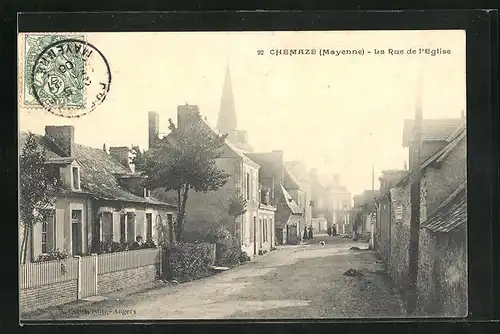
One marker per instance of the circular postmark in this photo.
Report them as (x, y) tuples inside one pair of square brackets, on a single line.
[(70, 78)]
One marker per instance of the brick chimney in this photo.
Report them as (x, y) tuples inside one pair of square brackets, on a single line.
[(122, 155), (63, 136), (183, 114), (153, 128)]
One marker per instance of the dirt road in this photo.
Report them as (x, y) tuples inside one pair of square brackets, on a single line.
[(293, 282)]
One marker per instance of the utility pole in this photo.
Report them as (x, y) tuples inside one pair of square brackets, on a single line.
[(415, 171)]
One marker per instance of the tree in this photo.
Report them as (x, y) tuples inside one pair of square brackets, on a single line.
[(37, 189), (237, 206), (185, 160)]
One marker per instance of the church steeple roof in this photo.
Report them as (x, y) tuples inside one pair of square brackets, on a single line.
[(226, 121)]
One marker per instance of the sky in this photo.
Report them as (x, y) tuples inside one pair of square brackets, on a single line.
[(339, 114)]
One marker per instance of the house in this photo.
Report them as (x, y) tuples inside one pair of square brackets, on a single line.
[(299, 172), (319, 225), (382, 231), (281, 185), (442, 266), (341, 201), (321, 197), (364, 206), (99, 198)]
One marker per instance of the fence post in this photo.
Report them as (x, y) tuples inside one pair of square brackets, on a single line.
[(96, 270), (79, 278), (215, 254), (160, 266)]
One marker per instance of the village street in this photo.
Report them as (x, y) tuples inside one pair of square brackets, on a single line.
[(303, 281)]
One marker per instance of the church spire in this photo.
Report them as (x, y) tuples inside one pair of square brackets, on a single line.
[(226, 122)]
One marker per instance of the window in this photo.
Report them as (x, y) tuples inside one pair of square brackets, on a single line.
[(107, 225), (248, 185), (76, 231), (265, 230), (149, 225), (130, 226), (48, 234), (76, 178)]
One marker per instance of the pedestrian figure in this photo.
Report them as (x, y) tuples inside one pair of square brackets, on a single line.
[(334, 231), (138, 243), (329, 231), (305, 233), (310, 232)]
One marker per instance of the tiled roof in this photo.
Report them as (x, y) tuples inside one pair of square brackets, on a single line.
[(432, 129), (98, 173), (451, 214), (290, 202)]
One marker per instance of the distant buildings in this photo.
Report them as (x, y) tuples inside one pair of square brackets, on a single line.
[(285, 193)]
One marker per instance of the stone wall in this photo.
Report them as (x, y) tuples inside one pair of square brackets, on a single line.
[(442, 277), (48, 295), (122, 279)]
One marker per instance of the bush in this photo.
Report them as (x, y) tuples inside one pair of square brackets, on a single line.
[(244, 257), (110, 246), (185, 262), (228, 248), (52, 256), (150, 243)]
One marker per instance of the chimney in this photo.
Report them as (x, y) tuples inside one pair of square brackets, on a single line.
[(153, 128), (122, 155), (63, 136), (184, 115)]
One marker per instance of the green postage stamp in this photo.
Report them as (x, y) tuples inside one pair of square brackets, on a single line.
[(57, 82), (62, 73)]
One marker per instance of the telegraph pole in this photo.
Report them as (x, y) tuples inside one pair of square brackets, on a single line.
[(415, 178)]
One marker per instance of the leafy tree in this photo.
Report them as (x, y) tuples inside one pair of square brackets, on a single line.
[(237, 206), (185, 160), (37, 189)]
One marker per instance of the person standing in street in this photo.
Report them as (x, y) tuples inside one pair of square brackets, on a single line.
[(310, 232)]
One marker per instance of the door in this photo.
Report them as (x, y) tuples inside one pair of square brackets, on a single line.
[(254, 236), (76, 232), (292, 234)]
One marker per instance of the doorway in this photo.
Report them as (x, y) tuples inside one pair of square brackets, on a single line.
[(76, 232)]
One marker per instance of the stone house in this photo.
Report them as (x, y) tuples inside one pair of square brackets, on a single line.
[(205, 211), (382, 229), (281, 185), (442, 272), (99, 198), (299, 172)]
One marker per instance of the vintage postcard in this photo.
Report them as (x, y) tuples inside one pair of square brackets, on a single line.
[(242, 175)]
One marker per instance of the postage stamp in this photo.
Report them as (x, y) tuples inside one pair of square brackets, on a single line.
[(63, 74)]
